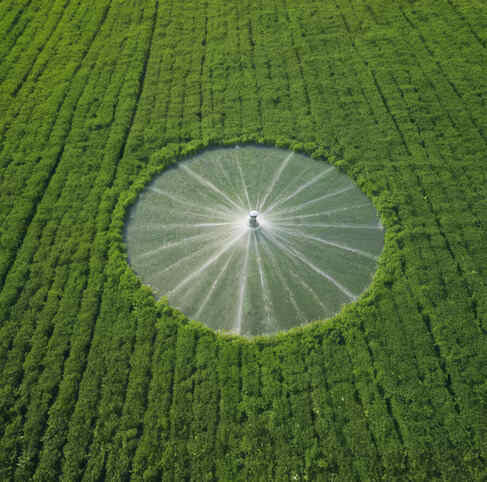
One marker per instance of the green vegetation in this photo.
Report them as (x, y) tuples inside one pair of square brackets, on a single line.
[(98, 381)]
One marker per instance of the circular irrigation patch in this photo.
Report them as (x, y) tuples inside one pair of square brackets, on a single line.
[(254, 240)]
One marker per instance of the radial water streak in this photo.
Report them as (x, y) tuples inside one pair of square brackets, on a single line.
[(310, 290), (192, 213), (191, 256), (324, 213), (338, 226), (294, 253), (244, 186), (176, 244), (222, 211), (193, 225), (242, 286), (298, 234), (209, 184), (284, 282), (205, 265), (306, 204), (214, 285), (268, 308), (230, 182), (298, 190), (276, 177)]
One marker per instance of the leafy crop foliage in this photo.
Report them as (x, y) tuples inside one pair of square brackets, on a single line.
[(98, 381)]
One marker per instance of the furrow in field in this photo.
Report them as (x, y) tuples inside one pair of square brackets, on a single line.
[(139, 47), (129, 431), (15, 76), (36, 52), (72, 292), (97, 459), (42, 244), (251, 108), (381, 462), (14, 24), (35, 240), (287, 75), (38, 184), (256, 434), (12, 12), (204, 408), (439, 312), (176, 459), (302, 95), (231, 81), (118, 318), (445, 75), (108, 159), (229, 417), (165, 82), (463, 17), (156, 421)]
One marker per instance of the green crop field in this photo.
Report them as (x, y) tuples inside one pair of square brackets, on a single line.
[(99, 381)]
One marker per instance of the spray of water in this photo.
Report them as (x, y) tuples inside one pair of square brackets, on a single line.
[(254, 240)]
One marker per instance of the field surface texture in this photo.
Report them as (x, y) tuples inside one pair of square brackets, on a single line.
[(99, 381)]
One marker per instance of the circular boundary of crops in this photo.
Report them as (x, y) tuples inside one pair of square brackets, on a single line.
[(171, 154)]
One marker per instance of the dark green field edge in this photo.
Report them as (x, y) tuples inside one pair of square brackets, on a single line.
[(102, 384), (49, 308), (101, 182), (459, 296), (38, 50), (53, 304), (56, 127), (14, 23), (22, 56), (103, 391), (40, 226)]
